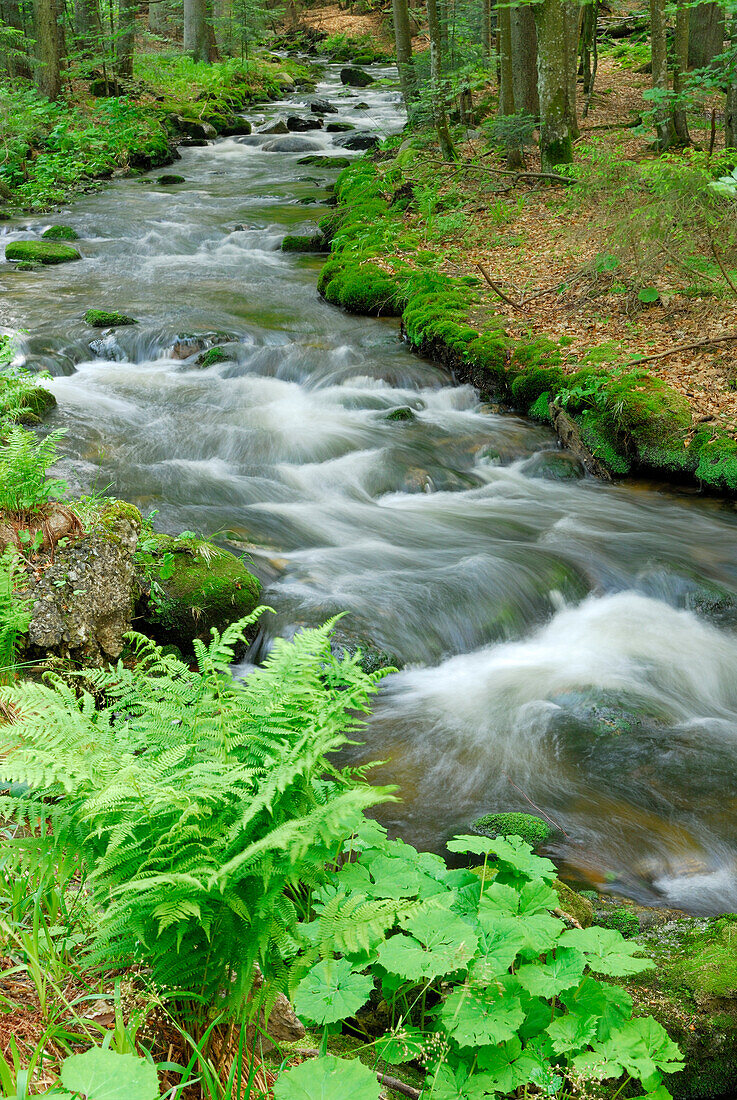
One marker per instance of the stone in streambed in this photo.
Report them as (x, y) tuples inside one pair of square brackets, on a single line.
[(279, 127), (235, 125), (103, 318), (360, 106), (291, 145), (60, 233), (193, 143), (294, 243), (207, 587), (404, 412), (325, 161), (355, 78), (297, 125), (339, 127), (193, 127), (323, 107), (534, 830), (169, 179), (41, 252), (553, 466), (357, 142)]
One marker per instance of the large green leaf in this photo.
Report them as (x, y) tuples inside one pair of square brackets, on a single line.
[(571, 1033), (609, 1004), (401, 1045), (550, 978), (438, 943), (478, 1017), (512, 853), (327, 1078), (104, 1075), (332, 991), (606, 950), (642, 1047)]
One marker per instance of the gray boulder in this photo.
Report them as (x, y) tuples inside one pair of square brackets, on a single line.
[(355, 78), (291, 145)]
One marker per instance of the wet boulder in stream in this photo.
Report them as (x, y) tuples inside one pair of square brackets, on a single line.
[(323, 107), (193, 127), (278, 127), (41, 252), (297, 125), (291, 145), (355, 78), (358, 141)]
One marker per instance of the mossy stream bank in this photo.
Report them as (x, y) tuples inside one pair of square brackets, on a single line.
[(621, 421)]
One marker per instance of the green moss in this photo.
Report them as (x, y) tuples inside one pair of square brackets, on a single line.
[(25, 265), (318, 160), (169, 179), (112, 515), (60, 233), (364, 289), (538, 353), (198, 586), (402, 413), (717, 462), (41, 252), (621, 920), (575, 904), (212, 356), (531, 383), (604, 443), (292, 243), (23, 401), (540, 409), (102, 318), (532, 829)]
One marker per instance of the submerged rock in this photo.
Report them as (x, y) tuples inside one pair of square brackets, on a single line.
[(339, 127), (325, 161), (189, 343), (60, 233), (554, 466), (404, 412), (169, 179), (188, 586), (355, 78), (290, 145), (41, 252)]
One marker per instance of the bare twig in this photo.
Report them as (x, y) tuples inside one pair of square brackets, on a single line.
[(565, 181), (398, 1086), (723, 339), (536, 807), (498, 290), (721, 266)]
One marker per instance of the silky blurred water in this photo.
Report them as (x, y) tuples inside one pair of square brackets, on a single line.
[(567, 643)]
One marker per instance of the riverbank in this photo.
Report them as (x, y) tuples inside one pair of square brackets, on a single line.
[(52, 151)]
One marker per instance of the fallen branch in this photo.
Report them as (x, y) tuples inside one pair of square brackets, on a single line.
[(725, 338), (551, 177), (498, 290), (398, 1086)]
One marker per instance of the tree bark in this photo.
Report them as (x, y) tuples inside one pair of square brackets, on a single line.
[(15, 65), (403, 44), (572, 15), (86, 22), (196, 41), (487, 35), (126, 36), (664, 125), (730, 111), (48, 47), (524, 60), (680, 70), (555, 136), (506, 89), (157, 17), (440, 117), (706, 34)]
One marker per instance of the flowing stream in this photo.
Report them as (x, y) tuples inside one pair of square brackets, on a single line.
[(565, 642)]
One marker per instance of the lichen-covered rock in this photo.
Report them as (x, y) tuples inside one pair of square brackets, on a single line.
[(105, 318), (692, 992), (83, 601), (189, 585), (60, 233), (41, 252)]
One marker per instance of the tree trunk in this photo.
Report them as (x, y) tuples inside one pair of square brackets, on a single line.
[(706, 34), (86, 21), (126, 36), (555, 137), (403, 43), (486, 33), (440, 117), (572, 16), (730, 111), (48, 47), (524, 60), (195, 30), (664, 116), (680, 69), (157, 16), (506, 89), (17, 64)]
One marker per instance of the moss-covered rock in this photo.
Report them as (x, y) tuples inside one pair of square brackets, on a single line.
[(320, 160), (22, 401), (363, 288), (403, 412), (104, 318), (170, 179), (212, 357), (531, 829), (574, 904), (294, 243), (41, 252), (692, 992), (60, 233), (189, 586)]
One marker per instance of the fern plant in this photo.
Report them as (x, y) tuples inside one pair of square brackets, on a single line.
[(14, 615), (195, 801), (24, 461)]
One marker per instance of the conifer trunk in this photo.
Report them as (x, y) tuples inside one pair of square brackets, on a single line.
[(680, 69), (196, 42), (506, 90), (524, 60), (664, 125), (403, 44), (127, 11), (48, 47), (440, 117)]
